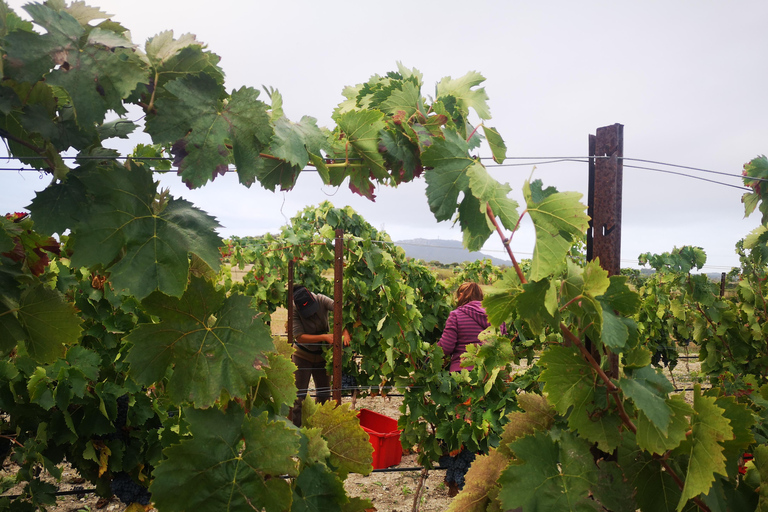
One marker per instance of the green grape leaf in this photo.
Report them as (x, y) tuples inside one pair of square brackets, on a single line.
[(84, 14), (232, 462), (596, 281), (474, 223), (498, 147), (50, 323), (321, 166), (39, 388), (648, 389), (316, 449), (652, 439), (202, 127), (568, 379), (549, 474), (466, 97), (499, 302), (559, 219), (175, 58), (97, 71), (407, 99), (492, 193), (361, 129), (119, 128), (615, 332), (537, 415), (602, 427), (709, 428), (11, 331), (279, 385), (143, 245), (620, 297), (613, 490), (449, 161), (401, 154), (357, 504), (761, 464), (538, 304), (656, 489), (29, 55), (741, 421), (292, 142), (480, 480), (212, 343), (271, 173), (351, 449), (318, 489)]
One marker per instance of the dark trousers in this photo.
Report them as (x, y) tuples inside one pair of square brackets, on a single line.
[(304, 370)]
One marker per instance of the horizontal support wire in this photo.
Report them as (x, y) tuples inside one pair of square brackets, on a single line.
[(533, 160)]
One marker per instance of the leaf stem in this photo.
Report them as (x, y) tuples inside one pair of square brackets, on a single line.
[(612, 388), (506, 241), (703, 506), (575, 299), (40, 151)]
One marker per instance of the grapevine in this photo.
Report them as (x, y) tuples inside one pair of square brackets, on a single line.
[(110, 288)]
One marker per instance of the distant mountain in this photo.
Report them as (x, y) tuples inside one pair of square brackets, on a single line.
[(444, 251)]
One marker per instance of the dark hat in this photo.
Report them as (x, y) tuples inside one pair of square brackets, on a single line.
[(305, 302)]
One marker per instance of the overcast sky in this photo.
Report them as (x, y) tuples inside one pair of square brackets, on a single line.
[(687, 79)]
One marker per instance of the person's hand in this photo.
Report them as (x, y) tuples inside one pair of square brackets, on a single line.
[(345, 338)]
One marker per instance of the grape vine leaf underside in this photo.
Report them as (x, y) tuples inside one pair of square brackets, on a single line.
[(144, 244), (560, 219), (43, 321), (232, 462), (709, 428), (211, 342), (96, 66), (207, 132), (350, 448)]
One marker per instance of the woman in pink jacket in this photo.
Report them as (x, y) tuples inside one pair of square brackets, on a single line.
[(464, 324)]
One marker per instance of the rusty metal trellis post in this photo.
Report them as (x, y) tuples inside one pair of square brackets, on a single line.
[(606, 149), (722, 284), (338, 269), (289, 304)]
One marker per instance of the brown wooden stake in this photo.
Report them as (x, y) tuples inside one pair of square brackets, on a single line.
[(722, 284), (289, 303), (338, 289)]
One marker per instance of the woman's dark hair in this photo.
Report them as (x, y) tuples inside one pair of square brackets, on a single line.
[(468, 292)]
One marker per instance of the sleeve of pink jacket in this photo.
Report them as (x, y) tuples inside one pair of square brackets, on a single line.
[(450, 337)]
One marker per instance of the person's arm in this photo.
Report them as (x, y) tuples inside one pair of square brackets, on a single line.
[(328, 303), (323, 338)]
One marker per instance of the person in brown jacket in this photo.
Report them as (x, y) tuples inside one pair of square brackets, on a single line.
[(311, 334)]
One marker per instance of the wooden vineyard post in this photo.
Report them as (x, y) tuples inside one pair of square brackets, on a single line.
[(606, 150), (338, 289), (289, 304)]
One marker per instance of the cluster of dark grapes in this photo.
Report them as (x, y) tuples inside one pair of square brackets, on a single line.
[(663, 355), (120, 421), (5, 449), (122, 411), (348, 381), (457, 467), (128, 491)]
